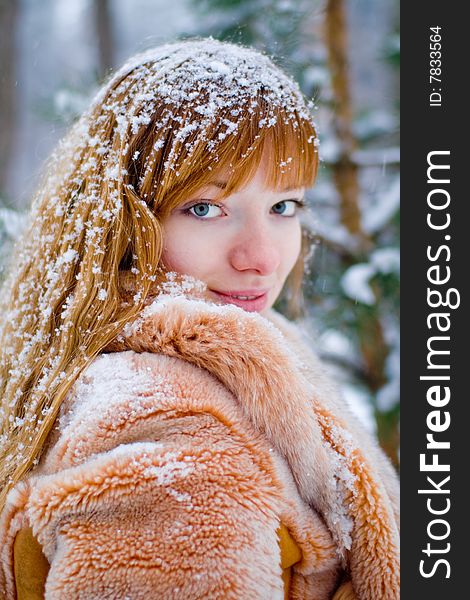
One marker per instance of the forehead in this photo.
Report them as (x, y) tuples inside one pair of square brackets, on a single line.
[(258, 182), (262, 172)]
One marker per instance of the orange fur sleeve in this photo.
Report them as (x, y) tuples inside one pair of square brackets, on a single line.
[(143, 520)]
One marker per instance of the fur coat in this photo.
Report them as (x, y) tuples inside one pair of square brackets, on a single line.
[(181, 449)]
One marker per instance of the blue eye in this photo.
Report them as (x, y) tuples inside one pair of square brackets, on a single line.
[(286, 208), (205, 210)]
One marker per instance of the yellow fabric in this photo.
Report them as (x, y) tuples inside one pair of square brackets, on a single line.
[(30, 566), (290, 554), (345, 592)]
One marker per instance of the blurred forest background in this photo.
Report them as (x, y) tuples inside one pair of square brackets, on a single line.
[(345, 53)]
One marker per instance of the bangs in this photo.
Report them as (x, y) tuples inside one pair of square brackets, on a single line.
[(287, 146), (287, 149)]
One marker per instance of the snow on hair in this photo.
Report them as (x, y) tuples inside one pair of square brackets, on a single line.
[(157, 130)]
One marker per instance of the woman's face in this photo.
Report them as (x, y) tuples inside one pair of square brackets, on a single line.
[(242, 247)]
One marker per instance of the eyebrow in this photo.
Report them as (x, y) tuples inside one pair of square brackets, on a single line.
[(223, 184), (290, 189), (220, 184)]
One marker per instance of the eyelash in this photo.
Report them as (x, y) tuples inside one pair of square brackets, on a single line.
[(299, 202), (187, 210)]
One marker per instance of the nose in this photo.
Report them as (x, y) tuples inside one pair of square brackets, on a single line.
[(255, 250)]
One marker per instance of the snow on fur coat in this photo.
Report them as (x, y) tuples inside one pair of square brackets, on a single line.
[(180, 450)]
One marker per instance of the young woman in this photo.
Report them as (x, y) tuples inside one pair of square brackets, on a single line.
[(164, 432)]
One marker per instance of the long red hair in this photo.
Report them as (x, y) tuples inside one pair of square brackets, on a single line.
[(99, 211)]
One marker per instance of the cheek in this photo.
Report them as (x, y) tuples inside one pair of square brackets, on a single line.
[(185, 251), (174, 259), (291, 247), (177, 253)]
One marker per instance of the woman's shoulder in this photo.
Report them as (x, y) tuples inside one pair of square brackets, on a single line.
[(128, 376), (181, 356), (123, 396)]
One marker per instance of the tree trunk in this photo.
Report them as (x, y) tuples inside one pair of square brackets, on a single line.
[(8, 20), (344, 171), (374, 349), (104, 33)]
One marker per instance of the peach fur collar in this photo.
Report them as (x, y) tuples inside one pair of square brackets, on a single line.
[(333, 473)]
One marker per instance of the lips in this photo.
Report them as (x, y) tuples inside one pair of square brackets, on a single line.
[(251, 300)]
